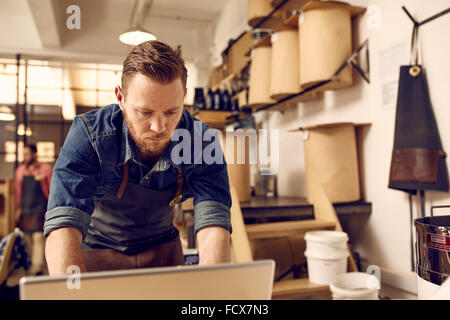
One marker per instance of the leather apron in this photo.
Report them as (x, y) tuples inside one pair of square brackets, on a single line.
[(418, 161), (33, 205), (132, 227)]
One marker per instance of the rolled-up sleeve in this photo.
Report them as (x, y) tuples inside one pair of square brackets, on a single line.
[(210, 189), (74, 181), (211, 213)]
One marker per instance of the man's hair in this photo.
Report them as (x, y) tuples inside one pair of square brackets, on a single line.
[(32, 147), (156, 60)]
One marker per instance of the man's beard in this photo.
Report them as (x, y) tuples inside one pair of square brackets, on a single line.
[(147, 147)]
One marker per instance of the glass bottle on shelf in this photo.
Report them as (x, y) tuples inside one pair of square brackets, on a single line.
[(235, 105), (210, 100), (226, 100), (199, 99), (218, 101)]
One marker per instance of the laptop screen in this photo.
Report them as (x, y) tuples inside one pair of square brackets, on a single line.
[(227, 281)]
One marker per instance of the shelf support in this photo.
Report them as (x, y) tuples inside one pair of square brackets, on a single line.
[(351, 60)]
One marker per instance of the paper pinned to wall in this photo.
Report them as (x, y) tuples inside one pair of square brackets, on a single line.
[(390, 61)]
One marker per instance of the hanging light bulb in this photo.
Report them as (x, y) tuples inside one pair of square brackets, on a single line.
[(135, 33), (21, 131)]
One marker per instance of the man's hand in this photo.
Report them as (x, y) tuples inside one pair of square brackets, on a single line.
[(63, 249), (214, 245)]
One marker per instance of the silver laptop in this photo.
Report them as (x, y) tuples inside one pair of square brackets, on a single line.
[(227, 281)]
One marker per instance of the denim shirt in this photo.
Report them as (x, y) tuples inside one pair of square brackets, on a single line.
[(96, 148)]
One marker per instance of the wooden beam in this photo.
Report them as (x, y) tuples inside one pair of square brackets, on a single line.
[(297, 288), (286, 228), (45, 19), (240, 245)]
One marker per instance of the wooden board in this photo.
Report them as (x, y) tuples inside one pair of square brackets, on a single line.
[(290, 4), (278, 209), (292, 102), (215, 119), (240, 245), (286, 228), (7, 222), (297, 288)]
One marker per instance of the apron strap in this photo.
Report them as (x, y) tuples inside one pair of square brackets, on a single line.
[(415, 70), (414, 54), (123, 184), (178, 194), (175, 200)]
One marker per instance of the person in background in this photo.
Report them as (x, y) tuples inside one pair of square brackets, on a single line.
[(32, 186)]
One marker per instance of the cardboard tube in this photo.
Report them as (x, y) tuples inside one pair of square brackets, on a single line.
[(325, 38), (259, 92), (284, 79)]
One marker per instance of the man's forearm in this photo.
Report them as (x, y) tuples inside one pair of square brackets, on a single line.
[(214, 245), (63, 249)]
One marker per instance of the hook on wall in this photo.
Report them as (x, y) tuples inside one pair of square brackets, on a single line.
[(418, 24)]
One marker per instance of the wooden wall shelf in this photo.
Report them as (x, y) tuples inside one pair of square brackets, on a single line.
[(302, 95), (214, 119), (279, 209)]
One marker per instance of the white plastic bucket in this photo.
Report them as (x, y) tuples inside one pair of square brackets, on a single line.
[(326, 254), (355, 286), (326, 242), (324, 270)]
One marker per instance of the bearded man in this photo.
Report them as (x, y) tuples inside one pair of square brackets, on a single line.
[(115, 183)]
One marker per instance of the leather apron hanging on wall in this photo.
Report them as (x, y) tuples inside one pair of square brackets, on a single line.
[(33, 205), (418, 161), (132, 227)]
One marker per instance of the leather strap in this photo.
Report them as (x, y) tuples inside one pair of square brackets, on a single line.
[(414, 57), (415, 70), (175, 200), (178, 194), (123, 184)]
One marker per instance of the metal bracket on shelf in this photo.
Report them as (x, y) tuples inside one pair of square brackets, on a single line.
[(351, 60)]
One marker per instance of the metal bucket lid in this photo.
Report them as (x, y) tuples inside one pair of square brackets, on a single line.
[(439, 224)]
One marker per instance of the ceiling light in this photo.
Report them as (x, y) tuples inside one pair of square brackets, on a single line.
[(136, 34), (6, 114)]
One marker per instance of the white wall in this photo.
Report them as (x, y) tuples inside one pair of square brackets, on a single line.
[(384, 239), (230, 24)]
